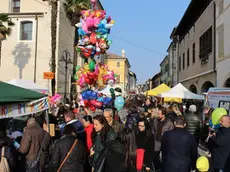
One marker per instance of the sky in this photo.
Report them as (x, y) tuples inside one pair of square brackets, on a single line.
[(143, 30)]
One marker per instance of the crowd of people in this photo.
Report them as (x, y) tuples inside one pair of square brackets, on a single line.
[(144, 136)]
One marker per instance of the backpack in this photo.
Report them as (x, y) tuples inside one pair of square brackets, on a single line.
[(4, 165)]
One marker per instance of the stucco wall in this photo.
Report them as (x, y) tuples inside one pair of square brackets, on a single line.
[(202, 24), (223, 64)]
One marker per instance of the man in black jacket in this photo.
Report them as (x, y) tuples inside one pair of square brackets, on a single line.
[(179, 149), (221, 140)]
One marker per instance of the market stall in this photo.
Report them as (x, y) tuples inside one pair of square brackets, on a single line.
[(17, 102), (179, 91), (27, 84)]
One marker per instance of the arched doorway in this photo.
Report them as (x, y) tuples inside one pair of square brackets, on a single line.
[(193, 88), (227, 83), (206, 86)]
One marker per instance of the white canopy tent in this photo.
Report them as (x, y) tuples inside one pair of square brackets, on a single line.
[(179, 91), (28, 85)]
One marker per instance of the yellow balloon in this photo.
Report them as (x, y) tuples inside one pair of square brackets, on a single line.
[(112, 22), (86, 68)]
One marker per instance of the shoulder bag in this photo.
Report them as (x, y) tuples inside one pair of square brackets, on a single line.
[(67, 156)]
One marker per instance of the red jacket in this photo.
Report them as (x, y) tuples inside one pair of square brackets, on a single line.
[(88, 131)]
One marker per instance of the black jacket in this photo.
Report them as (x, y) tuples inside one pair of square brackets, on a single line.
[(132, 120), (179, 151), (193, 124), (147, 143), (221, 149), (114, 152), (76, 160)]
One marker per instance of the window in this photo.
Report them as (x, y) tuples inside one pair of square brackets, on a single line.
[(206, 44), (183, 60), (193, 52), (220, 7), (16, 6), (118, 79), (118, 64), (221, 43), (26, 30), (179, 64), (188, 59)]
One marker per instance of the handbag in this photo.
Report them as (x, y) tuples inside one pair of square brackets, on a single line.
[(67, 156), (33, 166)]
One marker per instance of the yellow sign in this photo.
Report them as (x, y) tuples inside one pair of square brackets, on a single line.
[(48, 75)]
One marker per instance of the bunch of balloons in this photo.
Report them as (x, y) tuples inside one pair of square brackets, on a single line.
[(54, 99), (95, 100), (97, 75), (94, 29)]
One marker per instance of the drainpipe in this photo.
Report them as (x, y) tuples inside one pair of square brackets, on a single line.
[(214, 42), (36, 49)]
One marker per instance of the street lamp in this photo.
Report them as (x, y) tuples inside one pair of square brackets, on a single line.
[(66, 58)]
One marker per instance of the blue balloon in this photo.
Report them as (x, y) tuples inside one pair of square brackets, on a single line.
[(107, 101), (100, 99), (119, 103), (215, 127), (81, 32), (93, 95), (84, 95)]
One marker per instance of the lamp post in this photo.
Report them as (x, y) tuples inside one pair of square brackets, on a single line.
[(66, 58)]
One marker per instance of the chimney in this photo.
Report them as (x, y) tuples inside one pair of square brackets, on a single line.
[(123, 53)]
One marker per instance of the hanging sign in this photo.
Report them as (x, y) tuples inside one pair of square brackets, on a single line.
[(22, 109)]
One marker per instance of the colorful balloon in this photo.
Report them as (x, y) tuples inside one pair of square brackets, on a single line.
[(119, 103), (217, 114)]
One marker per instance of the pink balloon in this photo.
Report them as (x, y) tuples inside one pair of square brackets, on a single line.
[(93, 1), (85, 26)]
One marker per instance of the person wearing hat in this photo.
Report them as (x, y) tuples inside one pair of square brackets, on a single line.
[(202, 164)]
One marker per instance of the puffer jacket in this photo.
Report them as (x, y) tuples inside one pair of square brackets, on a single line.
[(193, 124), (77, 159)]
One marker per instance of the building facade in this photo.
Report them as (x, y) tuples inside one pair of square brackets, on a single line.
[(196, 50), (173, 62), (222, 43), (26, 54), (165, 71), (156, 80), (120, 65)]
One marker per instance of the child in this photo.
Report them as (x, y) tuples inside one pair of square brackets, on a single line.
[(202, 164)]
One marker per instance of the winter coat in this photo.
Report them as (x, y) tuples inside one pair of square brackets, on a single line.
[(6, 143), (159, 128), (98, 146), (147, 143), (113, 152), (221, 149), (116, 126), (31, 143), (79, 128), (179, 151), (193, 124), (77, 159), (132, 120), (89, 131)]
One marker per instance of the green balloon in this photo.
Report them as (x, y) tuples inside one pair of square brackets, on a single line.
[(111, 90), (98, 36), (92, 65), (217, 114), (77, 68), (115, 75), (109, 42), (75, 77), (105, 36)]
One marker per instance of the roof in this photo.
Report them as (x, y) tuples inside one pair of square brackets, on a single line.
[(12, 94), (114, 56), (132, 73), (166, 57), (173, 32), (156, 76), (191, 15)]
